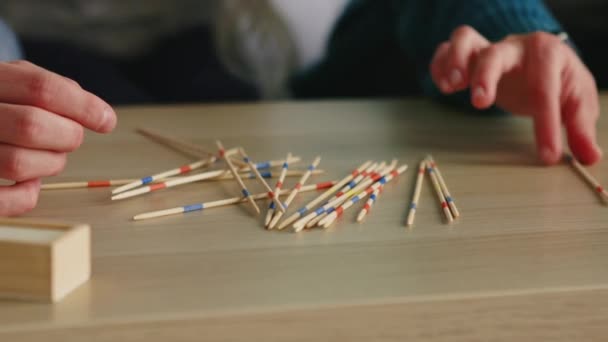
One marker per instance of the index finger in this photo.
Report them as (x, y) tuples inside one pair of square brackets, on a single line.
[(544, 68), (24, 83)]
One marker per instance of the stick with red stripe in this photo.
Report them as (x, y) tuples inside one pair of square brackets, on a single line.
[(323, 196), (271, 194), (368, 205), (118, 182), (94, 184), (369, 172), (165, 174), (414, 205), (235, 173), (375, 173), (169, 184), (183, 170), (301, 223), (215, 204), (444, 187), (294, 192), (439, 192), (85, 184), (594, 183), (331, 218), (270, 212)]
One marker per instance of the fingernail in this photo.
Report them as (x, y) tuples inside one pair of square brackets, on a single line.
[(105, 116), (455, 77), (547, 155), (479, 92), (107, 119)]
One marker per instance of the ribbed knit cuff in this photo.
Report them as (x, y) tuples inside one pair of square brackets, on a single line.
[(498, 19)]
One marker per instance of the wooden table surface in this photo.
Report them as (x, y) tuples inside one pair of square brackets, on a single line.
[(528, 260)]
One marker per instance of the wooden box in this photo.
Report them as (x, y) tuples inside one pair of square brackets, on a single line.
[(43, 260)]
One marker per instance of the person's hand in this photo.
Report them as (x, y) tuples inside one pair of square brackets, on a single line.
[(533, 74), (42, 116)]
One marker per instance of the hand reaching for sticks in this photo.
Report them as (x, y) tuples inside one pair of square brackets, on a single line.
[(536, 75), (42, 116)]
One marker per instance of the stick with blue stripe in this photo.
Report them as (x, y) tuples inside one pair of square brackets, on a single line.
[(371, 171), (270, 164), (244, 190), (277, 189), (296, 189), (331, 218), (302, 211), (416, 197), (448, 197), (220, 203), (165, 174), (439, 193), (301, 223), (170, 182), (271, 194), (369, 204)]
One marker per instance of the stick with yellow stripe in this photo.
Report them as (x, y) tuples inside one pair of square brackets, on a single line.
[(302, 211), (331, 218), (301, 223)]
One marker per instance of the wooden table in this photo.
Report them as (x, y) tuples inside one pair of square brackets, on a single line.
[(527, 261)]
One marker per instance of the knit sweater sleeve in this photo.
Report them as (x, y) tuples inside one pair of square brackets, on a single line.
[(374, 39), (494, 19)]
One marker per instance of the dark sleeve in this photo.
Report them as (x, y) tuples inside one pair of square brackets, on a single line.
[(362, 58)]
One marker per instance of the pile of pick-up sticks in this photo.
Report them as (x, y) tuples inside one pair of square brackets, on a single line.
[(368, 179)]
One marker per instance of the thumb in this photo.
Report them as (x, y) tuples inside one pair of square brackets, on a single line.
[(19, 198)]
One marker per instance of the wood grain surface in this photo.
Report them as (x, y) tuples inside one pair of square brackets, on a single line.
[(528, 259)]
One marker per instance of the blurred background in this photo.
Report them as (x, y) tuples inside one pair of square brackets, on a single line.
[(161, 51), (587, 23)]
